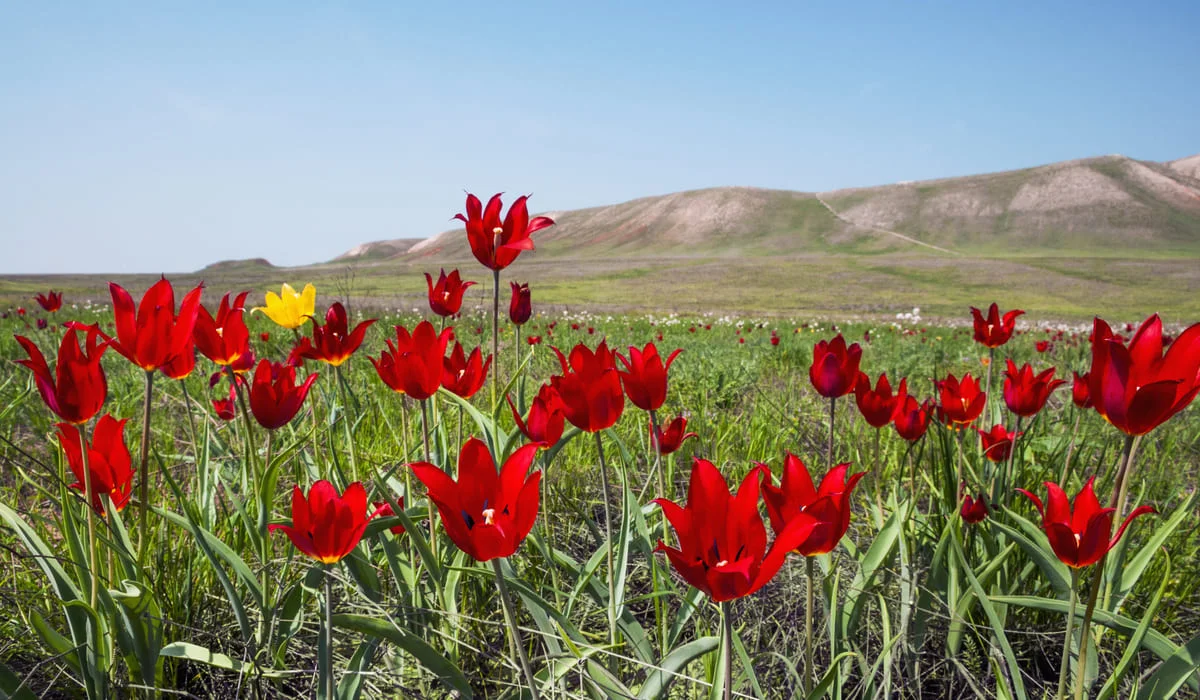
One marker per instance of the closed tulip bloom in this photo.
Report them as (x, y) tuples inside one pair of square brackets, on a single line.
[(878, 405), (334, 342), (226, 409), (486, 514), (519, 307), (670, 439), (974, 510), (828, 505), (464, 376), (51, 301), (1080, 392), (834, 370), (77, 388), (446, 296), (413, 363), (289, 308), (326, 525), (994, 331), (912, 418), (108, 461), (960, 402), (589, 388), (275, 398), (1025, 393), (225, 338), (152, 335), (997, 443), (1080, 533), (544, 425), (1138, 387), (722, 540), (645, 376), (497, 244)]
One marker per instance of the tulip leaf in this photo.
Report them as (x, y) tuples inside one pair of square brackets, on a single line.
[(671, 667), (446, 672), (1126, 577), (1180, 668), (1039, 552), (351, 685), (199, 654), (1135, 640), (868, 563), (12, 687)]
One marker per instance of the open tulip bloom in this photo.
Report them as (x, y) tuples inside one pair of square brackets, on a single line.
[(334, 342), (670, 439), (51, 301), (996, 443), (275, 398), (77, 388), (544, 425), (413, 363), (960, 402), (1080, 532), (1025, 393), (912, 418), (153, 335), (327, 525), (290, 309), (994, 331), (108, 462), (225, 338), (828, 506), (462, 375), (589, 388), (446, 295), (495, 243), (878, 406), (973, 510)]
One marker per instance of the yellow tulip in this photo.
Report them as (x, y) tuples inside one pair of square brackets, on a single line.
[(290, 308)]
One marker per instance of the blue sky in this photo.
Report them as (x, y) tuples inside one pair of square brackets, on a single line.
[(158, 138)]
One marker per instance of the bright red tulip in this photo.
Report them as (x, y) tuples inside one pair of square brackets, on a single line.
[(226, 409), (994, 331), (997, 443), (275, 398), (51, 301), (334, 342), (544, 426), (446, 295), (225, 338), (1137, 387), (1024, 393), (671, 439), (534, 340), (974, 510), (326, 525), (878, 405), (589, 388), (645, 376), (828, 505), (108, 461), (153, 335), (912, 418), (1079, 390), (1080, 533), (722, 540), (519, 307), (462, 375), (181, 366), (384, 510), (496, 245), (1043, 346), (77, 389), (960, 402), (413, 364), (834, 370), (488, 515)]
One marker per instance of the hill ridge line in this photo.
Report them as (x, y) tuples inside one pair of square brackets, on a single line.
[(901, 236)]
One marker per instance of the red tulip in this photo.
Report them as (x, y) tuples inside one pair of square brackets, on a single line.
[(912, 418), (1080, 533), (334, 342), (152, 335), (534, 340), (464, 376), (225, 338), (486, 514), (722, 540), (774, 340), (413, 364), (226, 409), (1026, 394), (997, 443), (589, 388), (1079, 390), (544, 426), (446, 296), (264, 336), (325, 525), (960, 402), (1042, 345), (834, 369), (21, 311), (1137, 387), (42, 324), (645, 376), (181, 366), (828, 505), (77, 389), (275, 398), (994, 331), (108, 461), (384, 510), (671, 439), (51, 301), (879, 405), (496, 245), (974, 510), (519, 307)]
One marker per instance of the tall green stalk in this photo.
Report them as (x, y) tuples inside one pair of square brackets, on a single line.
[(495, 338), (144, 472), (1064, 670), (727, 648), (809, 604), (93, 563), (514, 632), (612, 594)]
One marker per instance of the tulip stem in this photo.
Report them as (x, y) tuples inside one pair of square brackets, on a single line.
[(809, 604), (495, 337), (987, 385), (516, 351), (432, 508), (660, 612), (612, 596), (144, 481), (1009, 473), (342, 388), (514, 633), (326, 670), (1066, 470), (727, 648), (878, 477), (1064, 670), (829, 447), (94, 568)]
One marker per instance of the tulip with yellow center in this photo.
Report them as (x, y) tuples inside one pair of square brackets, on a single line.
[(289, 308)]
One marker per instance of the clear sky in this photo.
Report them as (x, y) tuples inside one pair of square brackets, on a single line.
[(159, 138)]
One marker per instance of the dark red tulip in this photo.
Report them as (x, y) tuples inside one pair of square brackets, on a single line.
[(974, 510), (1137, 387), (384, 510), (226, 409), (589, 388), (275, 398), (413, 363), (264, 336), (51, 301), (446, 295), (994, 331), (152, 335), (912, 418), (774, 340), (1024, 393), (722, 540), (462, 375), (1042, 345), (960, 402), (519, 307), (1079, 390), (645, 376), (878, 405), (834, 370), (997, 443), (495, 244), (77, 388), (326, 525), (1080, 533), (334, 342), (488, 515), (42, 324), (225, 338), (671, 438), (108, 461), (544, 426), (828, 505)]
